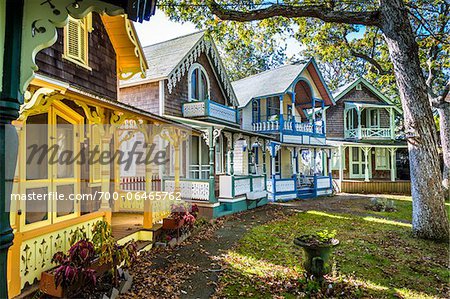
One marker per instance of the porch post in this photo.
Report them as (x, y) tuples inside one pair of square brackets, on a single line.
[(294, 111), (345, 123), (106, 179), (393, 164), (341, 163), (313, 116), (281, 113), (11, 13), (359, 123), (249, 157), (366, 151), (392, 122), (263, 147), (148, 213)]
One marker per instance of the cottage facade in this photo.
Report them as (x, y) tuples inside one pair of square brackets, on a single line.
[(370, 156), (72, 104), (288, 103)]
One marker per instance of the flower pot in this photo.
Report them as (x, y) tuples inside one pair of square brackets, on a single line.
[(170, 223), (47, 285), (317, 257)]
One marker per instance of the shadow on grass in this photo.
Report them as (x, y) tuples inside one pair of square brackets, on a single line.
[(377, 258)]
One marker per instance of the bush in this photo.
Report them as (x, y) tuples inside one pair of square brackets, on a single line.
[(382, 205)]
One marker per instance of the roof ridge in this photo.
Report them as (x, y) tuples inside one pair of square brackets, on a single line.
[(266, 71), (175, 38)]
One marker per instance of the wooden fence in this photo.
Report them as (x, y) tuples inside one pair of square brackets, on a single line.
[(137, 183)]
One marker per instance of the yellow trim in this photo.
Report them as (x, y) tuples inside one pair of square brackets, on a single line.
[(60, 225)]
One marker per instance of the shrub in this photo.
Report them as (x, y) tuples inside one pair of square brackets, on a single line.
[(382, 205), (319, 237)]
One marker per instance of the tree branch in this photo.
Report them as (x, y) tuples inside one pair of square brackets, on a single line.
[(323, 12)]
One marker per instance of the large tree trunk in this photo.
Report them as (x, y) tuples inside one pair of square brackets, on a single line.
[(444, 127), (429, 214)]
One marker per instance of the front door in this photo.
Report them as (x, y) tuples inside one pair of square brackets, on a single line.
[(358, 163)]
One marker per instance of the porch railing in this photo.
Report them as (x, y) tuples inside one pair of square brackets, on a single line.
[(230, 187), (289, 126), (211, 109), (361, 133), (191, 189)]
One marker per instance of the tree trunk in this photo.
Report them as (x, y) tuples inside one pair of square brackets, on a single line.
[(429, 214), (444, 127)]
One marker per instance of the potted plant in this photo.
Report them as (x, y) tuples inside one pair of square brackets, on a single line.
[(74, 274), (317, 248)]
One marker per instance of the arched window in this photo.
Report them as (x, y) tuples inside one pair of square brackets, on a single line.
[(198, 83)]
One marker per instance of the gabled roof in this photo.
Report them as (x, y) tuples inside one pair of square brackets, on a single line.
[(171, 59), (123, 36), (343, 90), (276, 82)]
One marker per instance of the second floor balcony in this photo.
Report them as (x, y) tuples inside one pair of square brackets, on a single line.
[(288, 124), (368, 121), (208, 109)]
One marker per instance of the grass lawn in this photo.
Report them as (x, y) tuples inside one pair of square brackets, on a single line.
[(377, 257)]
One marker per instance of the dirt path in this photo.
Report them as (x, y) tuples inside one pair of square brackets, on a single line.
[(191, 270)]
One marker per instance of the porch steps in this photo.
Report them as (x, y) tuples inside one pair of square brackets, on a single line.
[(306, 193)]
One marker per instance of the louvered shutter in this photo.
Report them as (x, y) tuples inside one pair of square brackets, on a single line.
[(76, 40)]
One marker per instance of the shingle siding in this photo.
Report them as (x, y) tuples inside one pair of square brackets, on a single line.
[(101, 80), (144, 96), (335, 114)]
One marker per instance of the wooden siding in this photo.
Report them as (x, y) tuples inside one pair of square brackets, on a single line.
[(377, 187), (144, 96), (173, 101), (335, 114), (101, 80)]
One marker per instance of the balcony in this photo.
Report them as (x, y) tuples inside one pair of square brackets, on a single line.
[(210, 109), (369, 133), (291, 126)]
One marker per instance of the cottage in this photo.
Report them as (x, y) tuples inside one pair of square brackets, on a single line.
[(186, 82), (288, 103), (71, 105), (370, 156)]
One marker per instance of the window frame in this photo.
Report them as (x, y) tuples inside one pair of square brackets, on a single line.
[(198, 66)]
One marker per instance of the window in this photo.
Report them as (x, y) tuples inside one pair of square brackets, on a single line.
[(335, 160), (381, 159), (76, 40), (352, 119), (273, 107), (255, 111), (278, 163), (198, 83), (373, 118)]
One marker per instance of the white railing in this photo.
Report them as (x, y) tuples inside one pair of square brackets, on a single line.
[(222, 112), (270, 125), (230, 187), (285, 185), (360, 133), (190, 189)]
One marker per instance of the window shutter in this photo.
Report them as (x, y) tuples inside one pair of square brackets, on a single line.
[(95, 174), (73, 49), (76, 44)]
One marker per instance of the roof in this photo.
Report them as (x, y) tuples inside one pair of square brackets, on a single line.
[(343, 90), (172, 58), (270, 82), (162, 58), (277, 81)]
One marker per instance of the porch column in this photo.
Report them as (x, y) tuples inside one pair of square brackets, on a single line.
[(230, 147), (392, 122), (341, 163), (249, 157), (359, 123), (263, 147), (10, 100), (393, 163), (329, 163), (313, 117), (210, 136), (281, 113), (294, 111), (106, 179), (366, 151)]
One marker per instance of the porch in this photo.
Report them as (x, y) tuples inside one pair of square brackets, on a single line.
[(375, 187), (369, 121)]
